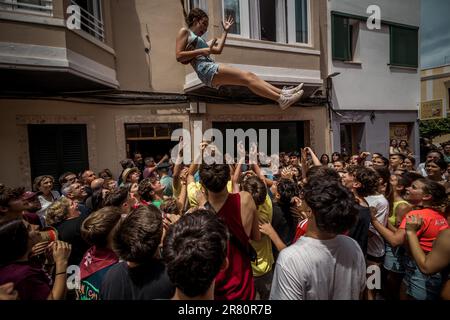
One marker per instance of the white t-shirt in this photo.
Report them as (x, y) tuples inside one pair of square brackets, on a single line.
[(45, 204), (375, 243), (312, 269)]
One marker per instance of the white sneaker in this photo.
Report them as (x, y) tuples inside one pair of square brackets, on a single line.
[(290, 91), (285, 101)]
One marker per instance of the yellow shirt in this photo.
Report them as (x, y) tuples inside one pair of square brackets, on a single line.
[(194, 187), (263, 247), (393, 218)]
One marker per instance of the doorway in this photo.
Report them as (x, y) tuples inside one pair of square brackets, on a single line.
[(150, 139)]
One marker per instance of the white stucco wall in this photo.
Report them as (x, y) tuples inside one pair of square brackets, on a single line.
[(374, 85)]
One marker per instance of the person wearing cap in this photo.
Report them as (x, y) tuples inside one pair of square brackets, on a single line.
[(130, 175), (165, 179), (33, 205)]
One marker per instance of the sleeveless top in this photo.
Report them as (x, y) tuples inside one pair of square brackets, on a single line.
[(196, 42), (393, 217), (235, 282)]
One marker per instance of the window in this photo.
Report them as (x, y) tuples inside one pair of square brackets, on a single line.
[(151, 139), (341, 38), (351, 138), (201, 4), (44, 7), (345, 38), (404, 46), (55, 149), (91, 17), (292, 133), (284, 21), (238, 10), (298, 12)]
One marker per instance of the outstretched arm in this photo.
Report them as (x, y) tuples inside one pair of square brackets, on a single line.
[(395, 239), (314, 158), (217, 48), (267, 229)]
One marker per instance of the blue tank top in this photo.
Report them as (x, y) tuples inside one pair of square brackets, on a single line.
[(196, 42)]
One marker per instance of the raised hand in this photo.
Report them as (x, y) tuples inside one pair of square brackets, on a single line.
[(266, 228), (61, 251), (227, 23), (286, 173), (413, 223)]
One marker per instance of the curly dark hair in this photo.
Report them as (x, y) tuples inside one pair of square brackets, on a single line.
[(8, 194), (256, 187), (332, 204), (145, 188), (194, 250), (369, 181), (194, 15), (116, 198), (287, 190), (214, 177), (138, 235)]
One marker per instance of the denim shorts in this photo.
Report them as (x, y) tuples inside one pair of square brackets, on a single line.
[(421, 286), (394, 259), (206, 70)]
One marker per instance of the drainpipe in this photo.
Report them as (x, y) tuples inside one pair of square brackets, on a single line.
[(329, 94)]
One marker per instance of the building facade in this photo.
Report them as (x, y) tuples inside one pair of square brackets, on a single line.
[(435, 87), (88, 97), (373, 74)]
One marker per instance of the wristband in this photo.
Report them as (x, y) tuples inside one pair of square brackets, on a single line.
[(64, 272)]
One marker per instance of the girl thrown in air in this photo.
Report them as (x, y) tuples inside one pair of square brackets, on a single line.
[(192, 48)]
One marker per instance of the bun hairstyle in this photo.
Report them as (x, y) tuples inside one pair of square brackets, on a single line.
[(194, 15)]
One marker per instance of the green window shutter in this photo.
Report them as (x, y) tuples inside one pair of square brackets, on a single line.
[(341, 38), (404, 47)]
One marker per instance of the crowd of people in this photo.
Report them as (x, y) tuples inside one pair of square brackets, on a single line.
[(167, 230)]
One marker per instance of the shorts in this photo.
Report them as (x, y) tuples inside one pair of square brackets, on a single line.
[(394, 259), (206, 70), (418, 285)]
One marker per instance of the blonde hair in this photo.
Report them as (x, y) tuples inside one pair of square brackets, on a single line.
[(58, 211), (38, 180)]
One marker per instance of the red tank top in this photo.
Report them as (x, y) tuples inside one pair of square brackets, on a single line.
[(236, 282)]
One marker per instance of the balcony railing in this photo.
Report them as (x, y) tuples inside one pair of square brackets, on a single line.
[(42, 7), (92, 22)]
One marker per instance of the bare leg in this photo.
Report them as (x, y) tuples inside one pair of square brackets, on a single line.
[(227, 75)]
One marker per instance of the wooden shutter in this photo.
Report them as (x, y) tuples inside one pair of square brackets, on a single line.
[(341, 38), (55, 149), (404, 46)]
